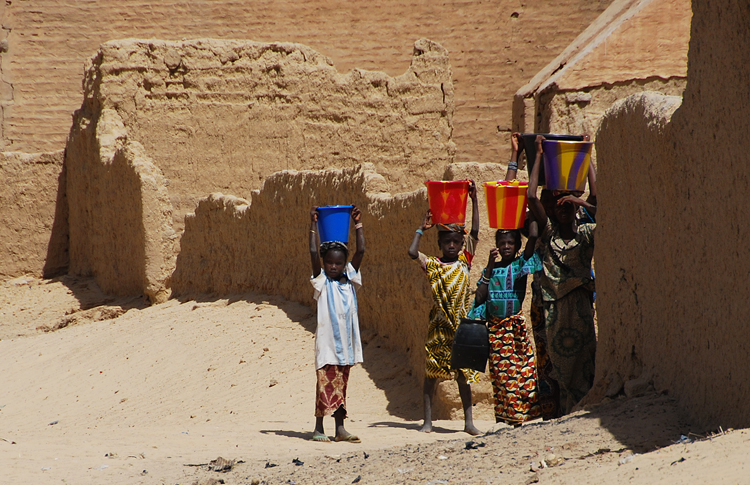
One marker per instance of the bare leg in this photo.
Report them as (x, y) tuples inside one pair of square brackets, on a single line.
[(318, 433), (464, 390), (341, 433), (429, 390)]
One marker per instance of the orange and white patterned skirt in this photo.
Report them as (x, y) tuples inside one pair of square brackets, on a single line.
[(330, 391)]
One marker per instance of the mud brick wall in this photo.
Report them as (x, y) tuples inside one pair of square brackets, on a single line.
[(496, 46), (223, 115), (672, 265), (33, 211)]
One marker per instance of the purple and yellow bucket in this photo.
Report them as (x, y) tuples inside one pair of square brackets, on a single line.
[(566, 164)]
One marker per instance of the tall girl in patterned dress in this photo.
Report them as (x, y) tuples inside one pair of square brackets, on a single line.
[(337, 342), (498, 299), (567, 286), (451, 295), (548, 391)]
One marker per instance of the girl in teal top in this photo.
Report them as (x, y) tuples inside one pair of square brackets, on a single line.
[(498, 300)]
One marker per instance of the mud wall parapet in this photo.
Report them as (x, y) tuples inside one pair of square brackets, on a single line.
[(223, 115)]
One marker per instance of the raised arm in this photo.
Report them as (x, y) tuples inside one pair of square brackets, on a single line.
[(360, 252), (474, 210), (426, 224), (528, 251), (535, 205), (577, 201), (483, 289), (591, 199), (314, 256), (515, 143)]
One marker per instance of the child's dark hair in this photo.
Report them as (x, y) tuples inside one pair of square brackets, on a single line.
[(445, 229), (333, 246), (515, 232)]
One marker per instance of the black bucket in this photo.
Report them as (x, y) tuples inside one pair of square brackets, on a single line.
[(529, 146), (471, 345)]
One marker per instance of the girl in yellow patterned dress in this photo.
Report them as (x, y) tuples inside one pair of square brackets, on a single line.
[(451, 295)]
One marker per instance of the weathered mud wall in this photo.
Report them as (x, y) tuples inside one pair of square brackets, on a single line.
[(33, 211), (672, 268), (495, 46), (137, 90), (120, 218), (634, 46), (638, 194), (223, 115), (582, 111)]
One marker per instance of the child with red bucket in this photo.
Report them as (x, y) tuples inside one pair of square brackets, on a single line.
[(448, 276), (567, 286), (337, 340)]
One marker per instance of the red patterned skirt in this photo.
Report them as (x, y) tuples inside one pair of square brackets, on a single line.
[(330, 391), (513, 370)]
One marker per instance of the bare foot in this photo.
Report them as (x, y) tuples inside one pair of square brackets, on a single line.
[(426, 428), (472, 430)]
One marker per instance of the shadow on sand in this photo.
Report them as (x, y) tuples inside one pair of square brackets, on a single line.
[(303, 435), (388, 369), (413, 426), (640, 424)]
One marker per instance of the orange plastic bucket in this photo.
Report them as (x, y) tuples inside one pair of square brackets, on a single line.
[(506, 203), (448, 200)]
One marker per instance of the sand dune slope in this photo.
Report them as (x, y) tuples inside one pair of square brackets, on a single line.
[(181, 382), (101, 390)]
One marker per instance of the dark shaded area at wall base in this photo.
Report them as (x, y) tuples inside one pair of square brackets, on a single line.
[(58, 259)]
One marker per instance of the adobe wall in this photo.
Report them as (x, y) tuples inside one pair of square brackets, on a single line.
[(634, 46), (673, 274), (638, 196), (223, 115), (582, 111), (495, 47), (33, 211), (120, 217)]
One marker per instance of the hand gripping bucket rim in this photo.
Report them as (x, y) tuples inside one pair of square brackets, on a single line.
[(448, 199), (506, 203), (333, 223), (566, 164)]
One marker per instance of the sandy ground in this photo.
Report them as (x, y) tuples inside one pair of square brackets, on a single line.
[(97, 389)]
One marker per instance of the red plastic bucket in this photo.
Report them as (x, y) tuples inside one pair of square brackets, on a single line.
[(506, 203), (448, 200)]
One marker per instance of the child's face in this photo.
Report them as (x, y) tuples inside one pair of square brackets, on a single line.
[(565, 213), (548, 202), (450, 244), (334, 263), (508, 246)]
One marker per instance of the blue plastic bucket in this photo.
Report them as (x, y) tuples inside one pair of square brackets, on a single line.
[(333, 223)]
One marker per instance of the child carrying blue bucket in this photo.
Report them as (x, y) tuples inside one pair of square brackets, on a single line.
[(337, 341)]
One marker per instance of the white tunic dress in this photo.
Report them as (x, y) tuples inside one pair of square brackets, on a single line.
[(337, 340)]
